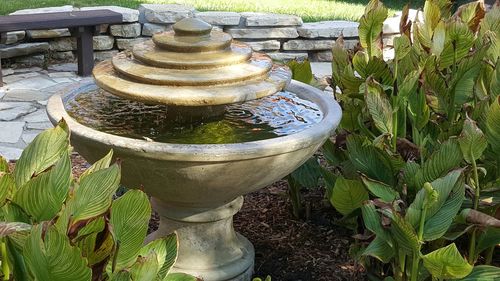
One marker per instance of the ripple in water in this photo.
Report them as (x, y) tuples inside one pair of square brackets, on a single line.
[(278, 115)]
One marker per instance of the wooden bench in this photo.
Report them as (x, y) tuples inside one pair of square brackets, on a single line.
[(82, 24)]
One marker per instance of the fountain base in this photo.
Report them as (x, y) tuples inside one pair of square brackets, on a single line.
[(209, 248)]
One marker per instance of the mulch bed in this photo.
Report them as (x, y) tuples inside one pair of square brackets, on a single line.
[(287, 248)]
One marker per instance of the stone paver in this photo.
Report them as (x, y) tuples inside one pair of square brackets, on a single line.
[(12, 110), (11, 131), (22, 103), (10, 153)]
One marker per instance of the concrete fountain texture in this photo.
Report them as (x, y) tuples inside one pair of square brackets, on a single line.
[(197, 188)]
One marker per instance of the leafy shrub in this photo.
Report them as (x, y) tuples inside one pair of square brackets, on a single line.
[(417, 156), (55, 227)]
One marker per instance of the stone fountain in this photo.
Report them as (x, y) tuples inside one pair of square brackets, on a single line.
[(195, 75)]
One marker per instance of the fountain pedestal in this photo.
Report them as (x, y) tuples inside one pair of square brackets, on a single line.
[(209, 248)]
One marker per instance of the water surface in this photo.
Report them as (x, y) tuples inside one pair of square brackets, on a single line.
[(278, 115)]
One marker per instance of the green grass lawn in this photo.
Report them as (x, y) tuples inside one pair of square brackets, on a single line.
[(309, 10)]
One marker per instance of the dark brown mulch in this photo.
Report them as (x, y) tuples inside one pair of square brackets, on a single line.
[(286, 248), (290, 249)]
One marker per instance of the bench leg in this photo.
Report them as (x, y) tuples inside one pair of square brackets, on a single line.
[(85, 50), (1, 74)]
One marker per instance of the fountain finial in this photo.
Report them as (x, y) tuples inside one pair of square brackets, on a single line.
[(192, 27)]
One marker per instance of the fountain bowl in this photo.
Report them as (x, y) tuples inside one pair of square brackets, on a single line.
[(203, 176)]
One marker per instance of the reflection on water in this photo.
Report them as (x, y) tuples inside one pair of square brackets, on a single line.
[(281, 114)]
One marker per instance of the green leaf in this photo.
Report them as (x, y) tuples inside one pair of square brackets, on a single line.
[(369, 160), (370, 27), (403, 233), (471, 14), (472, 141), (432, 15), (437, 225), (180, 277), (94, 226), (99, 165), (418, 110), (42, 197), (380, 189), (7, 187), (4, 165), (379, 107), (7, 228), (447, 263), (166, 253), (19, 271), (438, 39), (440, 214), (44, 151), (94, 195), (145, 268), (340, 60), (493, 124), (373, 222), (121, 276), (490, 238), (129, 220), (446, 158), (308, 174), (53, 258), (464, 78), (301, 71), (380, 250), (459, 40), (483, 273), (348, 195)]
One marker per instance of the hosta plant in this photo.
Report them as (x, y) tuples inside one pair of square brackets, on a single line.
[(55, 227), (417, 154)]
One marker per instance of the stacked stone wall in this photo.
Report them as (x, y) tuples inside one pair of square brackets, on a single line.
[(283, 37)]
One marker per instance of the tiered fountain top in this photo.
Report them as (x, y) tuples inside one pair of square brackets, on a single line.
[(191, 66)]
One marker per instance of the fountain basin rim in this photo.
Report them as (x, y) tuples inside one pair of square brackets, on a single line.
[(332, 114)]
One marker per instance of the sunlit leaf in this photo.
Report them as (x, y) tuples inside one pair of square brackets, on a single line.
[(103, 163), (94, 195), (53, 258), (447, 263), (44, 151), (483, 273), (472, 141), (370, 27), (129, 220), (42, 197), (493, 124), (166, 253)]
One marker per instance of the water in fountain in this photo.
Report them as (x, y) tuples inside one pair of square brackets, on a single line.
[(278, 115)]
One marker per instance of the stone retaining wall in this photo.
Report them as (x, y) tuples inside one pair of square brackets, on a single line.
[(283, 37)]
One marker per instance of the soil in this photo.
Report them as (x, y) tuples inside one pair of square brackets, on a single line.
[(287, 248)]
